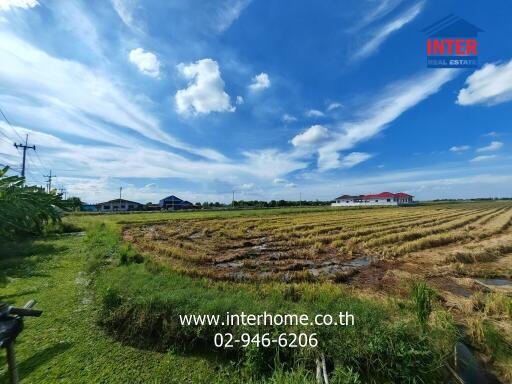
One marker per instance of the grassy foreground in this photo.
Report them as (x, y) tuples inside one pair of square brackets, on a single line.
[(109, 318), (65, 344)]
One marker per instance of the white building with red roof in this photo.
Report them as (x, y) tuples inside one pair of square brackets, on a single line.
[(383, 198)]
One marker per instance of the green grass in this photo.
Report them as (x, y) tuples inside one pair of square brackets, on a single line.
[(96, 293), (65, 344)]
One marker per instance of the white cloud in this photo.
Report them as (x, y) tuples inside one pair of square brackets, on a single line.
[(483, 158), (460, 148), (147, 62), (382, 9), (490, 85), (314, 113), (492, 134), (388, 106), (494, 146), (331, 159), (247, 186), (128, 13), (228, 13), (353, 159), (205, 92), (313, 135), (382, 33), (260, 82), (6, 5), (239, 100), (334, 105), (288, 118), (285, 183), (66, 96)]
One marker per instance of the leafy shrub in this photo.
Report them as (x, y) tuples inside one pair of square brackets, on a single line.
[(25, 210)]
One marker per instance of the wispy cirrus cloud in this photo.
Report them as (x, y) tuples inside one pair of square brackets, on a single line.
[(6, 5), (478, 159), (377, 115), (460, 148), (379, 10), (382, 33), (228, 12), (493, 146), (66, 94), (128, 12)]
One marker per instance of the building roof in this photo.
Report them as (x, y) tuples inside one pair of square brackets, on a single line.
[(174, 201), (403, 195), (171, 198), (121, 201), (382, 195), (348, 197)]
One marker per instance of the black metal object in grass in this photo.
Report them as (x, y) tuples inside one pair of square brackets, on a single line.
[(11, 325)]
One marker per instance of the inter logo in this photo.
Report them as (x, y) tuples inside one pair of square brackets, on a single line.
[(452, 43)]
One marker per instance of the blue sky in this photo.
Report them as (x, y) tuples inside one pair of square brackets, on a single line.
[(271, 99)]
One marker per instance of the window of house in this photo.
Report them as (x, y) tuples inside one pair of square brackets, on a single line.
[(122, 206), (106, 207), (130, 206), (376, 201), (389, 200)]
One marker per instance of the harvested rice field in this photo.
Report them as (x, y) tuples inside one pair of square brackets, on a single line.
[(461, 250), (367, 247)]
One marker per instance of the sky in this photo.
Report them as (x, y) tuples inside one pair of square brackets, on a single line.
[(271, 100)]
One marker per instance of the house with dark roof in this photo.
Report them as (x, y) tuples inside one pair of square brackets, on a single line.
[(383, 198), (119, 205), (173, 203)]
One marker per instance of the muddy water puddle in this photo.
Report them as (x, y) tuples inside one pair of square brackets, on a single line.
[(501, 283)]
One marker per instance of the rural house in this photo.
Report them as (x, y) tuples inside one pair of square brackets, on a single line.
[(173, 203), (119, 205), (383, 198)]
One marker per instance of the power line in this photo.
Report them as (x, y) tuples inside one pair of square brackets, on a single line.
[(30, 161), (39, 159), (8, 141), (9, 123)]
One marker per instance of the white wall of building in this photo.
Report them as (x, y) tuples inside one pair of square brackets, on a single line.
[(386, 202)]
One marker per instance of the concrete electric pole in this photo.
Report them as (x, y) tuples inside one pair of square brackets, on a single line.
[(24, 147)]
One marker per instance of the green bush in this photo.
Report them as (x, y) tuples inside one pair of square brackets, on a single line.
[(24, 210)]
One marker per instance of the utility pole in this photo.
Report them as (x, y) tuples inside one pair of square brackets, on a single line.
[(120, 193), (63, 192), (300, 199), (49, 181), (233, 200), (24, 147)]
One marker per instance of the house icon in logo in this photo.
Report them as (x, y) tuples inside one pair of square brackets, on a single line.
[(452, 43)]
